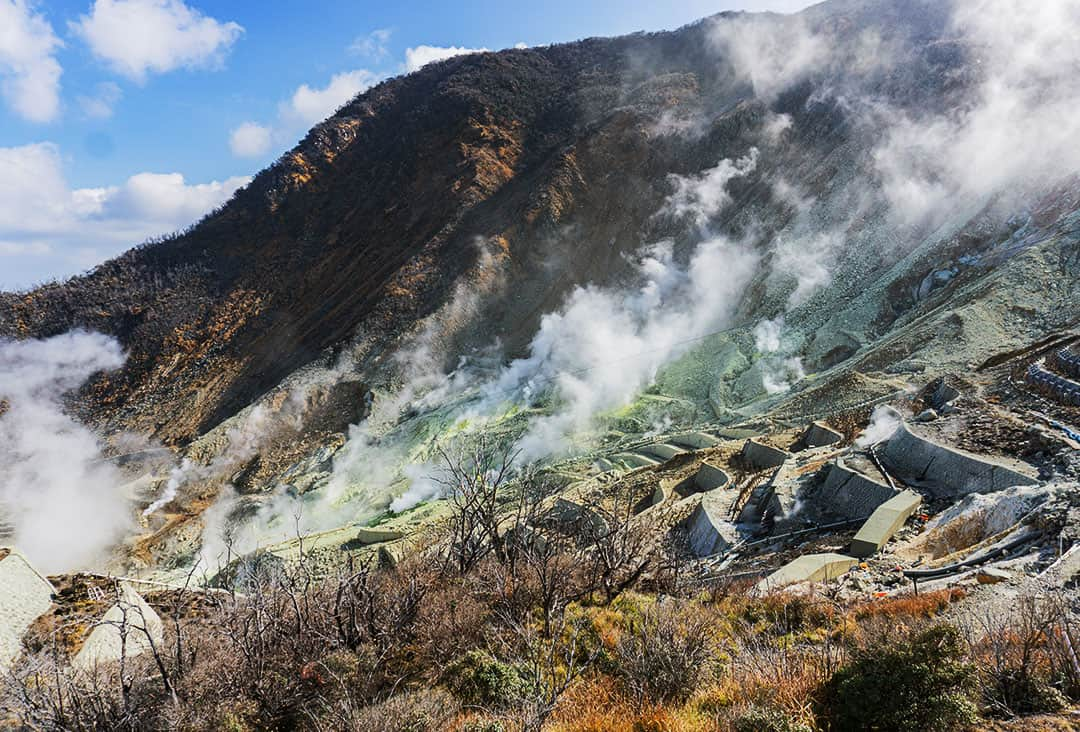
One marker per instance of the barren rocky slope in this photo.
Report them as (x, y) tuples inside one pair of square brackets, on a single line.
[(388, 270), (551, 158)]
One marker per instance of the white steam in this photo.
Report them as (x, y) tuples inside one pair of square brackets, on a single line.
[(63, 502), (605, 344), (778, 370), (1021, 129), (883, 423)]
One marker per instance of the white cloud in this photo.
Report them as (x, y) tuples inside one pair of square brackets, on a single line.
[(250, 140), (100, 104), (373, 45), (305, 108), (49, 229), (308, 106), (139, 37), (420, 56), (29, 71)]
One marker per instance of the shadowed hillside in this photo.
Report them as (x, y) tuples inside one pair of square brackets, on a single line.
[(367, 224)]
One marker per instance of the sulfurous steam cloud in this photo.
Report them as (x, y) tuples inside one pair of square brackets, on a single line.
[(1014, 132), (606, 344), (62, 502)]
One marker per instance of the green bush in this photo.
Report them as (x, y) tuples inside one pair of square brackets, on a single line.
[(767, 719), (918, 683), (1024, 693), (479, 679)]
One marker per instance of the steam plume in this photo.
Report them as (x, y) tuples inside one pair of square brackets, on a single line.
[(62, 501)]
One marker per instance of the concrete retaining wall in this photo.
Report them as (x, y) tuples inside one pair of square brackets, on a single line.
[(707, 529), (847, 494), (819, 435), (662, 451), (24, 597), (759, 456), (694, 440), (707, 478), (1068, 363), (377, 536), (106, 644), (945, 471), (634, 460), (807, 568), (1058, 387), (886, 520)]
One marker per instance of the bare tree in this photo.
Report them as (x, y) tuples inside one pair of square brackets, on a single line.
[(472, 480)]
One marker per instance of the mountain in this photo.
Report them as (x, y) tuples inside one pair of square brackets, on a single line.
[(754, 217), (723, 378), (367, 225)]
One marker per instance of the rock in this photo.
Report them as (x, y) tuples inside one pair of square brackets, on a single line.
[(991, 576), (927, 415)]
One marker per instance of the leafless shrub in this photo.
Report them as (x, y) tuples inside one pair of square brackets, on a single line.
[(1024, 656), (425, 710), (664, 656)]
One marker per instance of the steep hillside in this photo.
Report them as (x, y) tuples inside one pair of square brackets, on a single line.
[(550, 158), (745, 224)]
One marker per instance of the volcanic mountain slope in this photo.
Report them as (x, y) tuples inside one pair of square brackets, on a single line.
[(550, 158), (721, 199)]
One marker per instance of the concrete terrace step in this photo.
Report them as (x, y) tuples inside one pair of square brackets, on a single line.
[(694, 440), (886, 520), (807, 568), (660, 450), (634, 460)]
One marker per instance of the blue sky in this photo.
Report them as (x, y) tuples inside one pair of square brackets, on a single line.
[(123, 119)]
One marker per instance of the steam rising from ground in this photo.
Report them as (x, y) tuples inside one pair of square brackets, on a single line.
[(883, 423), (1021, 127), (62, 501), (1016, 129), (606, 344)]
